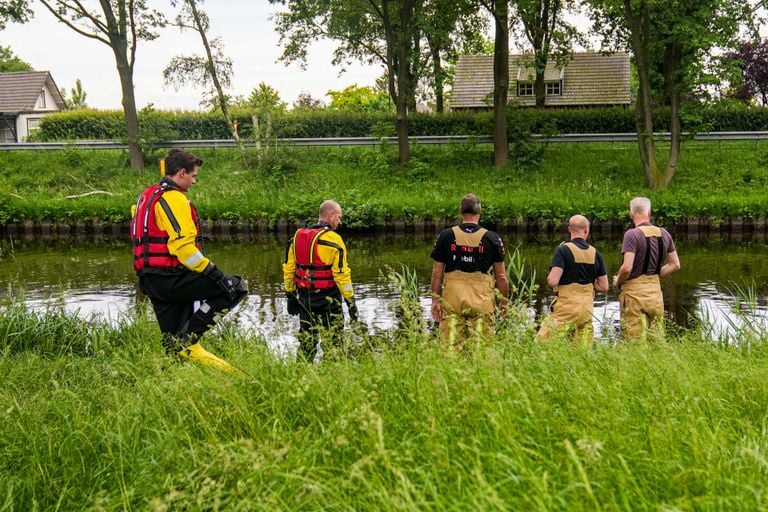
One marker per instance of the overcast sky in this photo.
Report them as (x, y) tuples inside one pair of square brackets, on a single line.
[(249, 40)]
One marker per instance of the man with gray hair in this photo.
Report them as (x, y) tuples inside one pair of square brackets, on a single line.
[(576, 272), (645, 249), (316, 276), (463, 294)]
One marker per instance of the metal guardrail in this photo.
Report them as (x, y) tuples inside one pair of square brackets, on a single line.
[(372, 141)]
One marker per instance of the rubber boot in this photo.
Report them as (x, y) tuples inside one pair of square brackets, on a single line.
[(197, 353)]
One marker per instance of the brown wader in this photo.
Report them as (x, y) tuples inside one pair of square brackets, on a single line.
[(573, 304), (642, 305), (467, 301)]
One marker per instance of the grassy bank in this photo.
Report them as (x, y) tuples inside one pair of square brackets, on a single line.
[(715, 181), (96, 418)]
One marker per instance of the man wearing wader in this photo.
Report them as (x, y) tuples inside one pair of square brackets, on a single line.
[(576, 272), (463, 294), (644, 249), (316, 276), (173, 271)]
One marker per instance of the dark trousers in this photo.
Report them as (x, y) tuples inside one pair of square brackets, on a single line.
[(319, 312), (173, 297)]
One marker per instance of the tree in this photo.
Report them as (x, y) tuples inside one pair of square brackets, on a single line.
[(16, 11), (119, 24), (77, 99), (265, 103), (360, 99), (381, 31), (499, 9), (305, 101), (448, 27), (10, 62), (214, 71), (670, 42), (752, 61), (548, 34)]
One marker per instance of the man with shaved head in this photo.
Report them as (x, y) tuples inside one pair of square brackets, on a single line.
[(576, 272), (645, 249), (316, 276)]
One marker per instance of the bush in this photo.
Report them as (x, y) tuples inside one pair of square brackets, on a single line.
[(161, 125)]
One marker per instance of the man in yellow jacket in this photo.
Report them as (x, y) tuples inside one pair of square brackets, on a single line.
[(316, 276), (173, 270)]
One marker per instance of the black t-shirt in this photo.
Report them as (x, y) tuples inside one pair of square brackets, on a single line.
[(577, 272), (468, 259)]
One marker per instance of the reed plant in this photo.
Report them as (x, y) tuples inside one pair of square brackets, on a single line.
[(678, 425)]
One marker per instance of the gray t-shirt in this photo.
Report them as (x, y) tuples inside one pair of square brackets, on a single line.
[(635, 241)]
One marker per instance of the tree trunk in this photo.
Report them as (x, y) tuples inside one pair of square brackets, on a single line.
[(125, 72), (672, 58), (539, 88), (215, 77), (500, 83), (639, 28), (437, 71)]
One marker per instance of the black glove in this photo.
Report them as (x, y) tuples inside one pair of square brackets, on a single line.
[(234, 286), (293, 303), (354, 315)]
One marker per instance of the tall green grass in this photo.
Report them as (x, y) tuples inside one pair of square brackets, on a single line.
[(679, 425)]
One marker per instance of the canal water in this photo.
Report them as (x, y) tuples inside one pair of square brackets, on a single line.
[(94, 279)]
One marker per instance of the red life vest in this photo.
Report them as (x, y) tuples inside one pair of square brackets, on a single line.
[(150, 243), (311, 272)]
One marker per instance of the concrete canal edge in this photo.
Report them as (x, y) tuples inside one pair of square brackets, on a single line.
[(223, 229)]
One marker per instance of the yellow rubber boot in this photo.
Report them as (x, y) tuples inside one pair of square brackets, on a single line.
[(197, 353)]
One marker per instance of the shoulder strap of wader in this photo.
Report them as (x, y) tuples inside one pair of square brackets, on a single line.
[(584, 256), (651, 232), (465, 239)]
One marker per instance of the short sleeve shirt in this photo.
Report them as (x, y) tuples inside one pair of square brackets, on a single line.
[(480, 259), (635, 241), (577, 273)]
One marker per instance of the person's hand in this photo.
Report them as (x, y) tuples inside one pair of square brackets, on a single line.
[(616, 280), (293, 303), (503, 308), (234, 286), (354, 314), (436, 311)]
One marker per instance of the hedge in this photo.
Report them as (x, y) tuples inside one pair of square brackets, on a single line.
[(164, 125)]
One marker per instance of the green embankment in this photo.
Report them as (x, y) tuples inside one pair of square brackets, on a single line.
[(97, 418), (715, 181)]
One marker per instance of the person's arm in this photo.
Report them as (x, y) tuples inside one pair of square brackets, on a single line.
[(625, 269), (673, 264), (436, 283), (173, 214), (502, 283), (289, 268), (342, 275), (553, 279), (601, 284)]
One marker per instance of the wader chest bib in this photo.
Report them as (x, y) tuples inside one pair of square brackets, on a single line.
[(573, 303)]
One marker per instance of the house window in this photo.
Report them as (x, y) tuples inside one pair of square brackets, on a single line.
[(554, 88), (41, 100), (33, 124), (524, 89), (6, 135)]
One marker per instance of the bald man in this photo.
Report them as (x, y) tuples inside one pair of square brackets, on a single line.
[(576, 272), (316, 277)]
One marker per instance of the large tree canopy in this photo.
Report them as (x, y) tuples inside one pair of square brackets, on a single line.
[(671, 42), (119, 24)]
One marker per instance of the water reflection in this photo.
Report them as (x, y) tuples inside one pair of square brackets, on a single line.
[(96, 280)]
